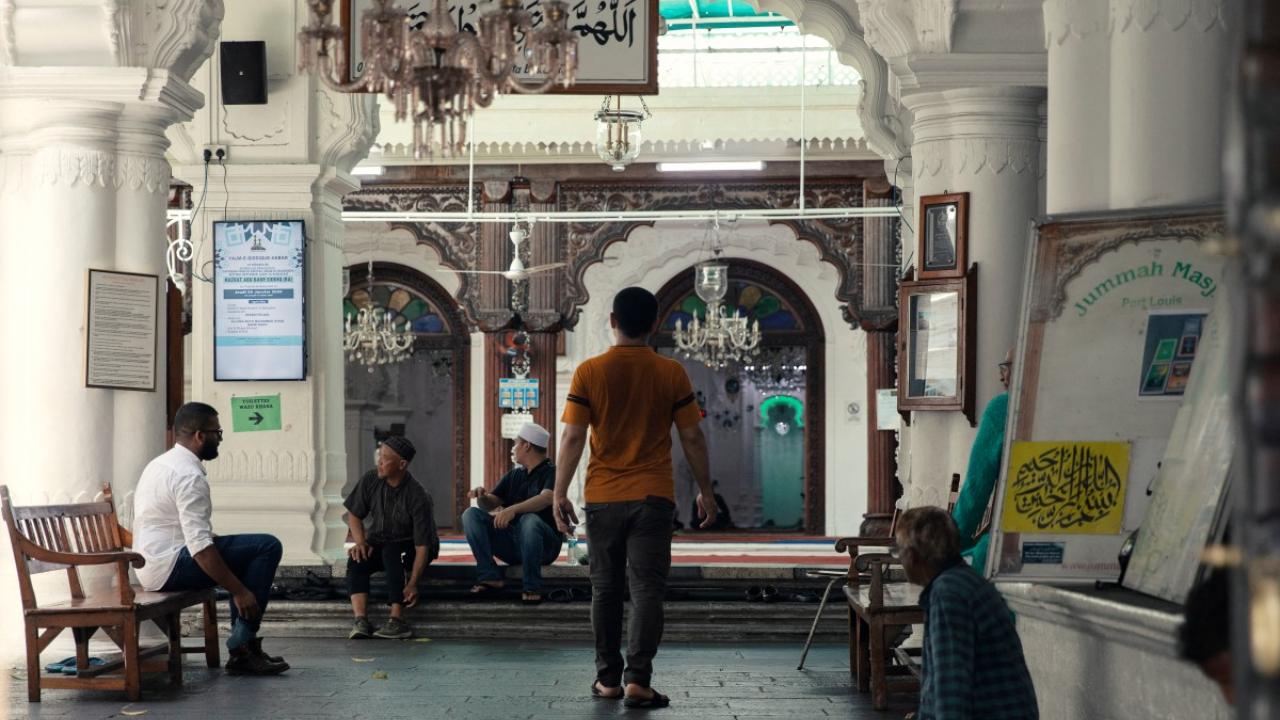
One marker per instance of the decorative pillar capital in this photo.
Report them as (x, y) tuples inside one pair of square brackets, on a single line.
[(171, 35), (1169, 15), (1074, 19), (978, 130)]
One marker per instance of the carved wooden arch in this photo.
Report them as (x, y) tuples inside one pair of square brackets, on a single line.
[(839, 241), (457, 244), (812, 338), (458, 340)]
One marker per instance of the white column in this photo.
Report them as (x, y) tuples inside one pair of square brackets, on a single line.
[(984, 141), (83, 184), (1168, 85), (1078, 146)]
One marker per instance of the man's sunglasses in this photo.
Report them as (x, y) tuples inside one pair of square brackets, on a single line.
[(217, 432)]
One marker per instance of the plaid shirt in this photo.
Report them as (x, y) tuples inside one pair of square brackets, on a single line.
[(973, 666)]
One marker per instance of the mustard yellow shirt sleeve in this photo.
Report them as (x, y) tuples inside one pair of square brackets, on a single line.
[(684, 409), (577, 411)]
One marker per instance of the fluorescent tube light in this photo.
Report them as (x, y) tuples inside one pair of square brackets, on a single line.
[(715, 166), (367, 170)]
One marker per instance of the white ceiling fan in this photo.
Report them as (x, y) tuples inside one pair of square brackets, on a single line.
[(517, 271)]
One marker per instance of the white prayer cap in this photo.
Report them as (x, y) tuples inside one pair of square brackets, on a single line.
[(534, 433)]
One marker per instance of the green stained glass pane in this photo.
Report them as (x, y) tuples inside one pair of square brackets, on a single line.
[(415, 309), (349, 308), (767, 306), (694, 306)]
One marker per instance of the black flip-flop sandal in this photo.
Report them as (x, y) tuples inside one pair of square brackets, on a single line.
[(595, 693), (481, 590), (657, 700)]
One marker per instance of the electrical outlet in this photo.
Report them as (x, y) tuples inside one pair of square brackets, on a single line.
[(214, 151)]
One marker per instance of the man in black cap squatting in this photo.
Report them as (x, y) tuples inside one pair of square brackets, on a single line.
[(390, 515)]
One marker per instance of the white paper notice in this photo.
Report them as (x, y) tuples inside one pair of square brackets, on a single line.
[(121, 350)]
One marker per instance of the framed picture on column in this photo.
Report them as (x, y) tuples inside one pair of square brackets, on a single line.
[(122, 336), (943, 236)]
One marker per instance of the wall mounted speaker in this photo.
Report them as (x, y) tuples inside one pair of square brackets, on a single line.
[(244, 72)]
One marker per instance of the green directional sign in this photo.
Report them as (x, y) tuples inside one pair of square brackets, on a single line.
[(258, 412)]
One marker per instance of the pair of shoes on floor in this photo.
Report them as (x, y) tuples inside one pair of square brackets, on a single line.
[(249, 659), (768, 594), (68, 665), (394, 629)]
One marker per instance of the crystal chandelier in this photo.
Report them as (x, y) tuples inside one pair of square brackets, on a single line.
[(618, 136), (438, 75), (722, 338), (372, 338)]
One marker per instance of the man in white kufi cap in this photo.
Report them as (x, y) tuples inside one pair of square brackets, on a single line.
[(514, 522)]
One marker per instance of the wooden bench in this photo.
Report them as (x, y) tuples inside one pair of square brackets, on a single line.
[(881, 601), (66, 537)]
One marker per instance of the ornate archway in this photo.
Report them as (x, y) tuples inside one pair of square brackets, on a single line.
[(788, 319), (442, 348)]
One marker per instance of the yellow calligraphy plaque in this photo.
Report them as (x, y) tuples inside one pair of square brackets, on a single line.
[(1066, 487)]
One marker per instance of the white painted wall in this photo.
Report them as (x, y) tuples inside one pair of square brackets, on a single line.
[(652, 256)]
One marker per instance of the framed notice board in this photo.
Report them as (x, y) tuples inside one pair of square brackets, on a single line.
[(1111, 301), (121, 330)]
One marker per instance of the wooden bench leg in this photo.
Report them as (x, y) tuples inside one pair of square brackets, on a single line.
[(862, 663), (212, 657), (33, 663), (175, 649), (879, 684), (82, 636), (132, 663)]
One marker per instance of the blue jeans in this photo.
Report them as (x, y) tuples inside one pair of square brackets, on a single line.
[(251, 558), (528, 542)]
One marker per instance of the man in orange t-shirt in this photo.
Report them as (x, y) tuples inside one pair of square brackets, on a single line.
[(629, 397)]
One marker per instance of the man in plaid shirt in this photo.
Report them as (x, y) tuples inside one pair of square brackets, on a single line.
[(973, 667)]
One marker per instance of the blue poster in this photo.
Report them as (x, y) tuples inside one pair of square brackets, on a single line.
[(258, 286), (1171, 344)]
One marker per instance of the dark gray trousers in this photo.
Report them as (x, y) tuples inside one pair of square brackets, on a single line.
[(629, 543)]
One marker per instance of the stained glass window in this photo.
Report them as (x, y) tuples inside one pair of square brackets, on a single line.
[(404, 304)]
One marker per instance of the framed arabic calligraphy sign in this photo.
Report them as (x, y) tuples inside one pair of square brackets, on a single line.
[(617, 39)]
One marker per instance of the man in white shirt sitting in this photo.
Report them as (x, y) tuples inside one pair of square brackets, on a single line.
[(172, 531)]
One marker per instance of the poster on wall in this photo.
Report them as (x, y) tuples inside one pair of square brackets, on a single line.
[(121, 334), (617, 40), (1172, 340), (1127, 295), (1066, 487), (259, 300)]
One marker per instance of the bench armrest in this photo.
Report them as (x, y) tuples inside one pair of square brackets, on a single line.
[(32, 550), (843, 544)]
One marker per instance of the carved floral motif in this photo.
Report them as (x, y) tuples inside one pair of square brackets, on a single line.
[(77, 166)]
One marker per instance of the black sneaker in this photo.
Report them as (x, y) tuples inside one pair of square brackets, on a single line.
[(255, 647), (360, 629), (244, 662), (395, 629)]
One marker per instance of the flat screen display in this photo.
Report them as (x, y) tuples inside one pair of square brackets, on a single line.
[(259, 316)]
